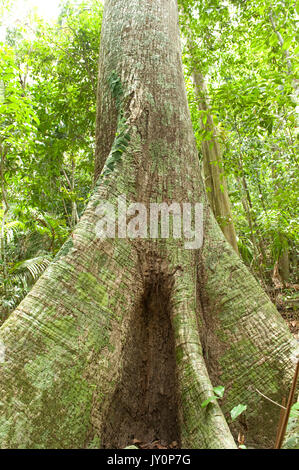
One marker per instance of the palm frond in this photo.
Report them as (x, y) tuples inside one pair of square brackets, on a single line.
[(11, 229), (33, 267)]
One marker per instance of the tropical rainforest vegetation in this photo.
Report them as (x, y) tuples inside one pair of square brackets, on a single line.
[(48, 86), (240, 63)]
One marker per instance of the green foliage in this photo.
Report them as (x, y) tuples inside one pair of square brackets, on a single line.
[(208, 401), (237, 411), (122, 136), (219, 392), (121, 141), (295, 411), (31, 268), (292, 433), (116, 90), (48, 79), (248, 53)]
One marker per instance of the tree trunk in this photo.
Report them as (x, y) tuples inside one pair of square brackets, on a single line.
[(3, 248), (284, 265), (215, 180), (121, 337)]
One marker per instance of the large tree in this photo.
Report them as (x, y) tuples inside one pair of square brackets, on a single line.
[(121, 337)]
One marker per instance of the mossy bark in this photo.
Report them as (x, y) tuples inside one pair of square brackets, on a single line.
[(70, 345)]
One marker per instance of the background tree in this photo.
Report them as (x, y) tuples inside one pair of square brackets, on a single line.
[(252, 90)]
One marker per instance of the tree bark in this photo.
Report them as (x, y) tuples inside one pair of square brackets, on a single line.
[(125, 337), (284, 265)]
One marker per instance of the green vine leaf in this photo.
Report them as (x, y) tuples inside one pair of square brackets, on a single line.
[(237, 411)]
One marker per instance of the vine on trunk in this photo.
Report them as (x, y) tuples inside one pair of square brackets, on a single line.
[(122, 136)]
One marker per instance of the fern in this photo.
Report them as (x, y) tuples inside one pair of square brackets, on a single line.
[(11, 229), (30, 269)]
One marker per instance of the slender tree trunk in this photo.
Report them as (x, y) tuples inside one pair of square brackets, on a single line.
[(71, 184), (75, 218), (215, 180), (5, 208), (127, 337), (258, 248), (284, 265)]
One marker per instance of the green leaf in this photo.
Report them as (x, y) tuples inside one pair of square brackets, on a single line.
[(219, 390), (273, 39), (294, 413), (209, 400), (287, 43), (237, 411)]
